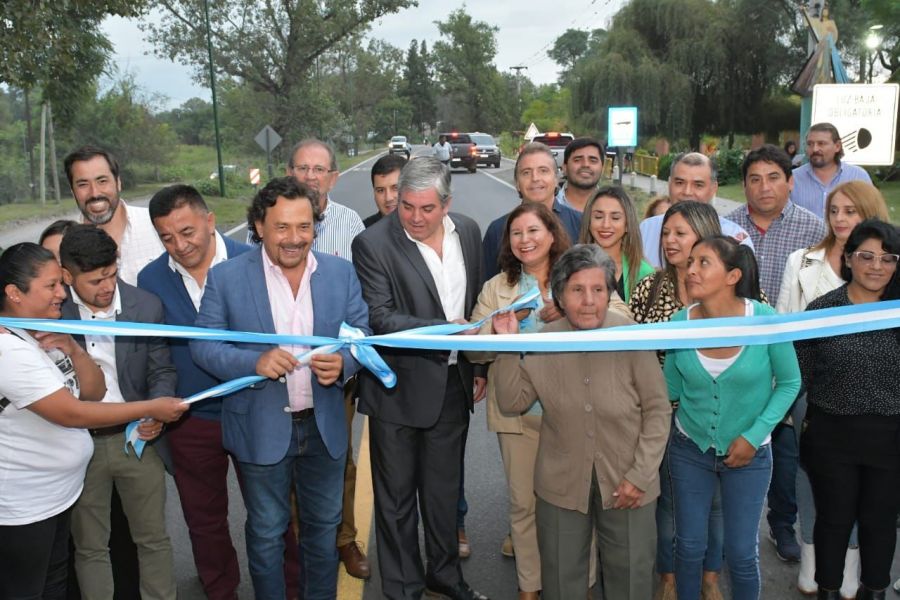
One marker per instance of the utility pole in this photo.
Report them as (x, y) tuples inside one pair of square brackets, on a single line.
[(518, 70), (212, 85)]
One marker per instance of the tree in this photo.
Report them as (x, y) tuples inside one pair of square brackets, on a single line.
[(568, 48), (192, 121), (550, 109), (274, 48), (464, 64), (418, 88)]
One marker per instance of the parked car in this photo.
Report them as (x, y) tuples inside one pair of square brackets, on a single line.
[(557, 143), (399, 145), (487, 149), (464, 154)]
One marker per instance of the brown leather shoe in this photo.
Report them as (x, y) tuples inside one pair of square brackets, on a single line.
[(354, 560), (465, 551)]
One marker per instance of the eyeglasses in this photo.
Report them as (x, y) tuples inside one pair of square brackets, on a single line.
[(868, 258), (318, 170)]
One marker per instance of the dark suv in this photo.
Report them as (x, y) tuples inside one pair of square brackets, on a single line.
[(464, 154), (487, 149)]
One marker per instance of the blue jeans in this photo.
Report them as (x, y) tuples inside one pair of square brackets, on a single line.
[(319, 482), (665, 525), (695, 476), (783, 490)]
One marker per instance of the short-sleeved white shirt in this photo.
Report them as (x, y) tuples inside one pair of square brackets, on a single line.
[(42, 464)]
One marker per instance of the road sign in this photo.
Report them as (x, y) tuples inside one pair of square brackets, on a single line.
[(623, 126), (532, 132), (268, 138), (254, 176), (865, 116)]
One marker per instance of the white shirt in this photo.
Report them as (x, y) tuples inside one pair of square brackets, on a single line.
[(194, 289), (102, 348), (335, 232), (651, 232), (140, 243), (448, 272), (42, 465)]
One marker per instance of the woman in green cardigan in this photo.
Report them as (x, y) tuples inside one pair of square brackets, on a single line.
[(729, 400), (610, 221)]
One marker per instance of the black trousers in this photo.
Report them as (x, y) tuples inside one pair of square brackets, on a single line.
[(33, 559), (854, 467), (411, 464)]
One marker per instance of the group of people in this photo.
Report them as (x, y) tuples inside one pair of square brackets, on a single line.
[(618, 463)]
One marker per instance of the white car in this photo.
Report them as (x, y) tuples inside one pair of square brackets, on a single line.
[(399, 145)]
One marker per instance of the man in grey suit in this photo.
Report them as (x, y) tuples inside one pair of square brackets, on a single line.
[(134, 369), (419, 266)]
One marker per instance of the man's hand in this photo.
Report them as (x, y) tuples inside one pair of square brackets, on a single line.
[(276, 363), (550, 313), (739, 454), (627, 495), (327, 367), (472, 331), (505, 322), (480, 391), (149, 429)]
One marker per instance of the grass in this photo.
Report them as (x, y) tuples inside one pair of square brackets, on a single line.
[(192, 165), (889, 189)]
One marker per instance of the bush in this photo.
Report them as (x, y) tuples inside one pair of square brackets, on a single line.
[(729, 163), (509, 144), (665, 165)]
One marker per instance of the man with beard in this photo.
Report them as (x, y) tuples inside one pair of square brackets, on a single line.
[(93, 175), (582, 166), (824, 171)]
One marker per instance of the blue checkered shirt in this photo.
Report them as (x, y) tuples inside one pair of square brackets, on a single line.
[(796, 228)]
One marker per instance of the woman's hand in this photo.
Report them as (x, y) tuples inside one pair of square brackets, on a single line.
[(60, 341), (166, 408), (505, 322), (550, 313), (739, 454), (627, 495)]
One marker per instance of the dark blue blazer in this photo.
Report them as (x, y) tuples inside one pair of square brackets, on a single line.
[(168, 285), (256, 422)]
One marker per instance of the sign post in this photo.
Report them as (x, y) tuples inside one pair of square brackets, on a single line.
[(622, 132), (865, 115), (268, 138)]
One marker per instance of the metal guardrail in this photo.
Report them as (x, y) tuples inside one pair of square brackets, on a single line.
[(646, 165)]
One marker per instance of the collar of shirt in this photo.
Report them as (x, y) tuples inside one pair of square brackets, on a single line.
[(785, 213), (220, 256), (109, 314)]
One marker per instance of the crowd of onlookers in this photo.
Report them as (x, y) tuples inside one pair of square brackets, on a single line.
[(619, 464)]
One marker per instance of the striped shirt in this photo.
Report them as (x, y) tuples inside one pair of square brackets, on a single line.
[(795, 228), (809, 192), (335, 232)]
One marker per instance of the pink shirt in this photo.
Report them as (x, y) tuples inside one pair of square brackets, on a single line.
[(292, 316)]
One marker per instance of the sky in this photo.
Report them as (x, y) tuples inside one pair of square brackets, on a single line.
[(527, 29)]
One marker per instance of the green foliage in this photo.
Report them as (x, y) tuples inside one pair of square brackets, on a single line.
[(550, 109), (192, 122), (728, 163), (509, 144), (665, 165), (569, 47), (417, 86), (274, 49)]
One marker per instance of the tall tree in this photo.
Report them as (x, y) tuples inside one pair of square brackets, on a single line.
[(273, 48), (464, 62), (569, 47), (418, 87)]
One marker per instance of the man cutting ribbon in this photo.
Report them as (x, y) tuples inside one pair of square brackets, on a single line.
[(290, 429)]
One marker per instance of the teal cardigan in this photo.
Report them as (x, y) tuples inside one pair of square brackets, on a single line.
[(742, 401), (644, 270)]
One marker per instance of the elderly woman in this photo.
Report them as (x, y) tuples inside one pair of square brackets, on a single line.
[(49, 392), (851, 441), (603, 432), (810, 273), (729, 401), (533, 240)]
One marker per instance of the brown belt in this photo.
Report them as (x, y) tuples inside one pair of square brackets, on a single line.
[(302, 415), (106, 431)]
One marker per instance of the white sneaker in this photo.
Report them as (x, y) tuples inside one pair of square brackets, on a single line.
[(806, 578), (851, 574)]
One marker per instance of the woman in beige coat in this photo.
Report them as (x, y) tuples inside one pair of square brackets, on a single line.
[(605, 425)]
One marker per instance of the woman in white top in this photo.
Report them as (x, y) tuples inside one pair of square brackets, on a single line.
[(44, 449), (810, 273)]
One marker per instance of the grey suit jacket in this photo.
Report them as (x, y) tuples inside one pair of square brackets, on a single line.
[(143, 364), (401, 294)]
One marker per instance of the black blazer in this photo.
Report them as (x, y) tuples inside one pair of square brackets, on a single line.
[(401, 294)]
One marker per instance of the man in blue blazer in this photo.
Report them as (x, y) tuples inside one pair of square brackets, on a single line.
[(187, 230), (289, 430)]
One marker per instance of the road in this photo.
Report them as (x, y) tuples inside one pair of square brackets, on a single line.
[(483, 196)]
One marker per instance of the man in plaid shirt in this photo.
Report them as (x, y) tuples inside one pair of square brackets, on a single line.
[(777, 227)]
